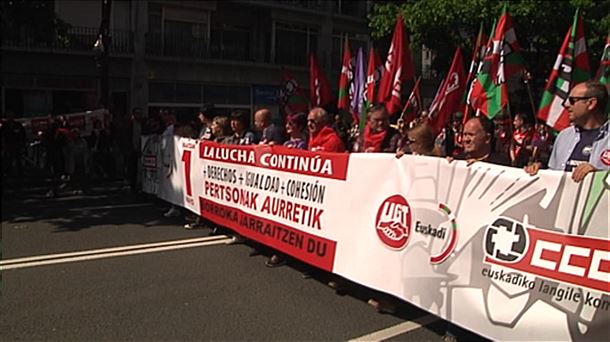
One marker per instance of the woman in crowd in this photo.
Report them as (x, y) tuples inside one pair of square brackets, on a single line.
[(521, 142), (296, 127), (541, 144), (205, 133), (419, 140), (221, 130), (241, 134)]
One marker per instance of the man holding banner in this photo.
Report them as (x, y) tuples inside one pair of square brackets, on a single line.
[(378, 136), (584, 146), (322, 136)]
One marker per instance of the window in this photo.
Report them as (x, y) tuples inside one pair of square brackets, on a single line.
[(294, 43), (230, 42), (175, 31), (185, 39), (188, 93), (161, 92), (353, 8), (221, 94)]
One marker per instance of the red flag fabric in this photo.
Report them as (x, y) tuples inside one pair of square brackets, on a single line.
[(451, 94), (398, 67), (412, 107), (292, 97), (319, 90), (346, 79), (373, 75)]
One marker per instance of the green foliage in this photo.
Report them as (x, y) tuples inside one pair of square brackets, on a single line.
[(31, 19), (443, 25)]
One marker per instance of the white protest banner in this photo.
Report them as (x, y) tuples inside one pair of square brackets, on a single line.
[(490, 248), (83, 121)]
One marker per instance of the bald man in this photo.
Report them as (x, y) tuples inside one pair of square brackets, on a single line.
[(322, 136), (584, 147), (477, 139), (270, 133)]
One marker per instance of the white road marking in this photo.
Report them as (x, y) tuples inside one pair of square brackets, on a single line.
[(112, 252), (397, 329), (137, 205)]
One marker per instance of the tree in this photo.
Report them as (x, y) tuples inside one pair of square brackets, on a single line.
[(31, 20), (443, 25)]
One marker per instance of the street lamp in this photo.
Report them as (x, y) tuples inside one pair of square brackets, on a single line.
[(100, 50)]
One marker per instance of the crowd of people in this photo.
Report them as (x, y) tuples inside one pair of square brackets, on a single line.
[(520, 142), (71, 158), (517, 141), (113, 151)]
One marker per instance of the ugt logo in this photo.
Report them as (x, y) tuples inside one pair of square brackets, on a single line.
[(393, 222), (506, 240)]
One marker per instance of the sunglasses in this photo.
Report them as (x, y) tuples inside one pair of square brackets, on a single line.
[(573, 99)]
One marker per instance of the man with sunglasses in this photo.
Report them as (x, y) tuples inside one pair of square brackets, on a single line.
[(584, 146)]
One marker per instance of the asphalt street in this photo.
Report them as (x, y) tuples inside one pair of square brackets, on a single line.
[(140, 276)]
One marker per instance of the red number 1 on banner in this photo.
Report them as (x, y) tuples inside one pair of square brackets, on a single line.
[(186, 158)]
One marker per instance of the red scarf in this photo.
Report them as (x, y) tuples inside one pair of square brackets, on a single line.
[(372, 139), (326, 140), (521, 140)]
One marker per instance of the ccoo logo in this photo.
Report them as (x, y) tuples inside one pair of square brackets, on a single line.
[(506, 240), (393, 222)]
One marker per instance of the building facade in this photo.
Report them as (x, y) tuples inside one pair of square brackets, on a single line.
[(177, 54)]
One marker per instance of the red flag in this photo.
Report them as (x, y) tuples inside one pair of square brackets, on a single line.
[(346, 79), (412, 107), (451, 94), (373, 75), (319, 90), (398, 67), (292, 97)]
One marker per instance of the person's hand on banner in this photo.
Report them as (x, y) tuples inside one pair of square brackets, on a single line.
[(532, 169), (581, 171)]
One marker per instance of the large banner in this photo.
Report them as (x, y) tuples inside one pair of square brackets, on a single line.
[(82, 120), (490, 248)]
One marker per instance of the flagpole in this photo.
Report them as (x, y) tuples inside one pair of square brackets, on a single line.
[(510, 119), (416, 83), (404, 110), (527, 79)]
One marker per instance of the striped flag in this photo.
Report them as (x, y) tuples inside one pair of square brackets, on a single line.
[(478, 51), (603, 75), (346, 79), (571, 67), (502, 60)]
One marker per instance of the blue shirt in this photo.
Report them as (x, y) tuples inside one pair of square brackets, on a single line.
[(567, 141)]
